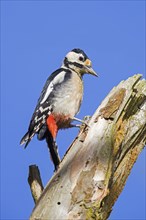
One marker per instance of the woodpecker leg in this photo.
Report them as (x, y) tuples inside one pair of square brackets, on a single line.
[(79, 120)]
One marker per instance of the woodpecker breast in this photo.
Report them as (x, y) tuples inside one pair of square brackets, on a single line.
[(67, 97)]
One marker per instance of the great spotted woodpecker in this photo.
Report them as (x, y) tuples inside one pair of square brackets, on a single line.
[(59, 101)]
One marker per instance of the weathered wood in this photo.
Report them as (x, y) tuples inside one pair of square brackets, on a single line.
[(94, 171), (35, 182)]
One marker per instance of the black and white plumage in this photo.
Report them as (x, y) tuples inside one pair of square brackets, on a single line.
[(60, 99)]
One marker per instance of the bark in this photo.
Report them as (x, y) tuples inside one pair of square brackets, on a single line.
[(94, 170)]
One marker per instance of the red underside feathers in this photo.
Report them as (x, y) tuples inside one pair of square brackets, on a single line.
[(52, 126)]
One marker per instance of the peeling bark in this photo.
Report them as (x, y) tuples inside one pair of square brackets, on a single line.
[(94, 170)]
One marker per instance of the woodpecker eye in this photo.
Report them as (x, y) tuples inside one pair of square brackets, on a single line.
[(81, 58)]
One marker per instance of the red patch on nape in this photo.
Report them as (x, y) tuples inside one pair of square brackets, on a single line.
[(52, 126)]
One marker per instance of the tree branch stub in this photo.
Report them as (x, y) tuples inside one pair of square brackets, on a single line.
[(35, 182)]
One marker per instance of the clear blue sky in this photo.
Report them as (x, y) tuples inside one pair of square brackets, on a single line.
[(35, 36)]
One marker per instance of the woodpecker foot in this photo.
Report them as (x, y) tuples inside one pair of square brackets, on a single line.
[(82, 121), (74, 126)]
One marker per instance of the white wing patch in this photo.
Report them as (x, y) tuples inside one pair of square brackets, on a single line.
[(58, 79), (48, 91)]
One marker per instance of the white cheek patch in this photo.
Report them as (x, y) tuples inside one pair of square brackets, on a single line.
[(72, 56), (58, 79)]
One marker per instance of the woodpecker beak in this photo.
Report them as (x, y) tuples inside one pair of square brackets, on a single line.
[(88, 68)]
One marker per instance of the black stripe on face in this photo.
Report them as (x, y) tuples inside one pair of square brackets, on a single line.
[(67, 63), (77, 65)]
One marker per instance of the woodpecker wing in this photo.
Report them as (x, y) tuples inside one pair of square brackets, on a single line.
[(44, 106)]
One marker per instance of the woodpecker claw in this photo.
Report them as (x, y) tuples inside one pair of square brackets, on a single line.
[(74, 126), (82, 121)]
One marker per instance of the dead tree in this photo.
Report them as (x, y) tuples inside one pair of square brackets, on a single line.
[(95, 168)]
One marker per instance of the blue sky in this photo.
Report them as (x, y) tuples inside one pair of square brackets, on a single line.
[(35, 37)]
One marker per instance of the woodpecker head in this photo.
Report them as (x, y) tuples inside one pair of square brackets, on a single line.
[(78, 61)]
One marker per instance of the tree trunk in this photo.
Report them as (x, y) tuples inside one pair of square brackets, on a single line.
[(94, 170)]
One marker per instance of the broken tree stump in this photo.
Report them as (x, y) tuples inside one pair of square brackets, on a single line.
[(95, 168)]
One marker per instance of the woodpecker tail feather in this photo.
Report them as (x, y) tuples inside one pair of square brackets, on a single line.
[(53, 150), (25, 140), (42, 133)]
